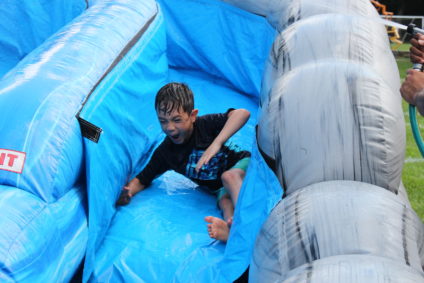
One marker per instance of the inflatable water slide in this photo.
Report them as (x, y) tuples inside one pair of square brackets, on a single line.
[(322, 200)]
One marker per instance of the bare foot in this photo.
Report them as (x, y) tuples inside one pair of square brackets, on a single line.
[(217, 228)]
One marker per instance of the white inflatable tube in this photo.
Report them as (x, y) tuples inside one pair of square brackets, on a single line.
[(333, 120), (336, 218), (354, 269), (282, 13)]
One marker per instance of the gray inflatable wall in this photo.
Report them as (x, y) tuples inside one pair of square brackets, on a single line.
[(333, 120), (336, 218), (354, 268), (337, 72), (331, 127)]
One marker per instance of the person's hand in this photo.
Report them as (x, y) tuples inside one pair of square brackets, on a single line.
[(412, 89), (124, 197), (207, 155), (128, 191), (416, 52)]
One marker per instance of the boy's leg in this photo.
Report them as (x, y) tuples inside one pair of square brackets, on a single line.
[(218, 228), (232, 180), (226, 205)]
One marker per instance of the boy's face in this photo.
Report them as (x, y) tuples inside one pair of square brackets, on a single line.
[(177, 124)]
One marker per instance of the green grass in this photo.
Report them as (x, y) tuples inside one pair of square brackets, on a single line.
[(413, 169), (402, 47)]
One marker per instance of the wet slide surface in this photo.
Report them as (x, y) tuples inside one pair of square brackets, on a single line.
[(164, 225)]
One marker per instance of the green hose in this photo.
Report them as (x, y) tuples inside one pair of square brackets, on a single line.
[(415, 129)]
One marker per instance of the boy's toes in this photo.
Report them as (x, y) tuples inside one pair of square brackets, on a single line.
[(218, 228), (209, 219)]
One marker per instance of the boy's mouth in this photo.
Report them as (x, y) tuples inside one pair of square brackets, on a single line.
[(175, 137)]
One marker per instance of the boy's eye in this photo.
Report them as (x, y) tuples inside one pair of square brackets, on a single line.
[(177, 120)]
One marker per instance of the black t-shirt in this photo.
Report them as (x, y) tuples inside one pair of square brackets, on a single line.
[(183, 158)]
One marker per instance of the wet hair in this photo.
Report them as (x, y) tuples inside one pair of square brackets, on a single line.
[(174, 96)]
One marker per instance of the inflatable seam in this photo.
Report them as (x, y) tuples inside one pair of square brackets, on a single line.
[(87, 127), (23, 229)]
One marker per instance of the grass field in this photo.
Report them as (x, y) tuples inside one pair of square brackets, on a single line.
[(402, 47), (413, 170)]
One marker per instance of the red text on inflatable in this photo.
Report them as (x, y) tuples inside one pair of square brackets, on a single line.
[(11, 160)]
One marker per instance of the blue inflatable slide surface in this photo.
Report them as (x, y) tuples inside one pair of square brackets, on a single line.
[(77, 88)]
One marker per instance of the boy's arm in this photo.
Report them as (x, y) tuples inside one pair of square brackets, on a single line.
[(128, 191), (236, 119), (156, 166)]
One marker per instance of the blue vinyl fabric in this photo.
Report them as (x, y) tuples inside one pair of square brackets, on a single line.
[(121, 106), (41, 241), (43, 220), (215, 38), (54, 82), (58, 189), (161, 236), (109, 63), (25, 24)]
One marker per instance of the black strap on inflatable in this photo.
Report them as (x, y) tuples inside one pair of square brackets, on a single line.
[(89, 130)]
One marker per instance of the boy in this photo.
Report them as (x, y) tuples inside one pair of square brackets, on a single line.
[(194, 146)]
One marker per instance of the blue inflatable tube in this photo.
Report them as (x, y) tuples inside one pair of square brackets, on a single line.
[(43, 161), (99, 74), (43, 222), (26, 24)]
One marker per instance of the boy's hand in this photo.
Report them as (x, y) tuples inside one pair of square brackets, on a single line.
[(133, 187), (236, 119), (208, 154), (416, 52), (124, 198)]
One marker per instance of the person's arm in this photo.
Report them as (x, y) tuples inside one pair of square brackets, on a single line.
[(156, 166), (412, 89), (128, 191), (236, 119)]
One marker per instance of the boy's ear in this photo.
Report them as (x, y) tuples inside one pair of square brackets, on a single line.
[(193, 114)]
